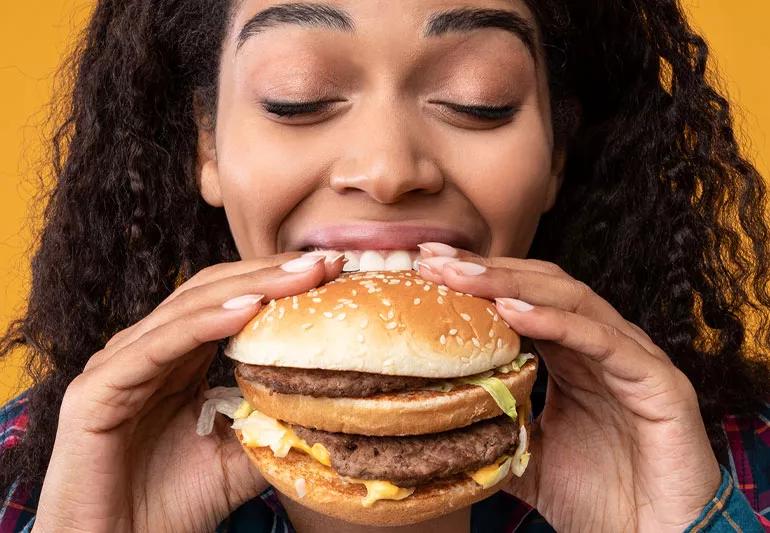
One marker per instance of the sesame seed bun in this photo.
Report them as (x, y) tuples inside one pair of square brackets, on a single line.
[(403, 413), (392, 323), (327, 493)]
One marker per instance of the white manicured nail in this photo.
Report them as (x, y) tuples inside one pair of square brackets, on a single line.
[(302, 264), (330, 256), (437, 249), (466, 268), (242, 302), (512, 304)]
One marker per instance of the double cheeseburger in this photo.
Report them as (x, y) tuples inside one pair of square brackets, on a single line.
[(383, 399)]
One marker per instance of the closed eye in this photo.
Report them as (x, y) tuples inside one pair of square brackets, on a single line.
[(290, 109), (491, 113)]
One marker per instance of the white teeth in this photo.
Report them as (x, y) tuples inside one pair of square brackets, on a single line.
[(398, 260), (353, 259), (371, 260)]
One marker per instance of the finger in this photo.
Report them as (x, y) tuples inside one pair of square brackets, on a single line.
[(226, 270), (437, 249), (213, 273), (274, 282), (538, 288), (109, 394), (605, 345), (431, 268)]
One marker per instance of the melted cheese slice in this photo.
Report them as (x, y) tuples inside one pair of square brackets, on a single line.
[(381, 490), (259, 430), (490, 475)]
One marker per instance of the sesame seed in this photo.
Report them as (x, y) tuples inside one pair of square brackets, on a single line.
[(460, 340), (442, 339), (440, 300), (395, 282), (328, 314), (467, 294), (385, 302), (383, 317), (295, 306), (453, 331), (499, 343), (273, 303), (419, 281), (311, 310), (372, 290), (307, 326), (443, 288), (354, 292), (322, 291), (426, 288), (465, 316), (495, 318), (360, 338), (408, 283), (391, 325), (488, 310), (281, 312), (458, 293), (364, 323), (416, 301), (338, 307), (353, 306), (476, 342), (317, 300), (491, 333), (391, 314), (341, 316)]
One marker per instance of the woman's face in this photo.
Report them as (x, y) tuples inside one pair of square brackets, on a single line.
[(396, 156)]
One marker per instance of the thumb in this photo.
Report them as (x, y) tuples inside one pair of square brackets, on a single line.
[(241, 480)]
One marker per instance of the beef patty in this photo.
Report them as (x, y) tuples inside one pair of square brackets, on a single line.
[(418, 459), (328, 383)]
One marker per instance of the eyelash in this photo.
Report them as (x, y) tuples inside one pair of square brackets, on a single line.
[(483, 113)]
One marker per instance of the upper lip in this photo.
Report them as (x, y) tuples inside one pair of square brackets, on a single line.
[(380, 236)]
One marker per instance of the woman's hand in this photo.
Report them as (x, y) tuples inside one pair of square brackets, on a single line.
[(620, 444), (127, 457)]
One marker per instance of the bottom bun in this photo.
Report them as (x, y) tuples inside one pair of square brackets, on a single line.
[(327, 493)]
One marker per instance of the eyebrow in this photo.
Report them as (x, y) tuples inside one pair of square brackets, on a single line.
[(459, 20), (300, 14), (467, 19)]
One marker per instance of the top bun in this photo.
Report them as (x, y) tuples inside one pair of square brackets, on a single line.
[(393, 323)]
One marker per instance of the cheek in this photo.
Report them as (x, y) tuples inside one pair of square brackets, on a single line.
[(506, 176), (262, 177)]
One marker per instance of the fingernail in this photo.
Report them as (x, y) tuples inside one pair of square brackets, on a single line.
[(330, 256), (437, 249), (302, 264), (436, 264), (466, 268), (513, 304), (242, 302)]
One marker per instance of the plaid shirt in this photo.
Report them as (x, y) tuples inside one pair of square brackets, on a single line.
[(743, 510)]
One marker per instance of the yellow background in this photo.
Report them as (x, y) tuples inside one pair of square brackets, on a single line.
[(34, 37)]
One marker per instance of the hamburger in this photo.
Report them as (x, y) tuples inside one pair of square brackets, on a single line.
[(382, 398)]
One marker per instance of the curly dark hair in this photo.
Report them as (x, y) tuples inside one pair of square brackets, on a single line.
[(659, 212)]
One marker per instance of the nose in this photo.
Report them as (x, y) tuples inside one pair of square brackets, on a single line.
[(385, 158)]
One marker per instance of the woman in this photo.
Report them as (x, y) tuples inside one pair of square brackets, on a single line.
[(209, 143)]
